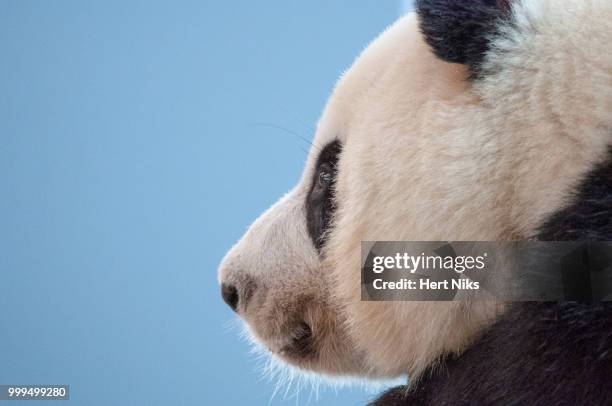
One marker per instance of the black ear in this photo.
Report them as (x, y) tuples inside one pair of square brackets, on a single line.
[(460, 31)]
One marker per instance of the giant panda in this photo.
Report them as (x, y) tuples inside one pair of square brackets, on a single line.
[(467, 120)]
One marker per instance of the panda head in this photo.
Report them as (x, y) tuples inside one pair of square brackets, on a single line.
[(469, 120)]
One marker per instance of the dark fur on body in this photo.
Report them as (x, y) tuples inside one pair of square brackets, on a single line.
[(537, 354), (589, 218)]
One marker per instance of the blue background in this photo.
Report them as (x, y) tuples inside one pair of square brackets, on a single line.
[(138, 139)]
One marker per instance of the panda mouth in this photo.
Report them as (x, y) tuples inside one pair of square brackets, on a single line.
[(301, 343)]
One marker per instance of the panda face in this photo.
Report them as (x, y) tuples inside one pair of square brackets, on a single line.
[(422, 142), (276, 279)]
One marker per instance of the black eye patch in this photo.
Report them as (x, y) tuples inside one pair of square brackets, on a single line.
[(320, 203)]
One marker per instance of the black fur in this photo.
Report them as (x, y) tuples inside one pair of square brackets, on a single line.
[(538, 353), (320, 203), (589, 216), (460, 31)]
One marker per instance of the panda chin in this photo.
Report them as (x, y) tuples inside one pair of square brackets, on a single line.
[(296, 346), (301, 344), (306, 334)]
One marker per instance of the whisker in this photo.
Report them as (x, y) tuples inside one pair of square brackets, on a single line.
[(309, 127), (278, 127)]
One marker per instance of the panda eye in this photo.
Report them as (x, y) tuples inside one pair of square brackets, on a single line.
[(320, 202), (324, 179)]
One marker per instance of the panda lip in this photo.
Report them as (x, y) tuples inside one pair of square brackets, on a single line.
[(301, 342)]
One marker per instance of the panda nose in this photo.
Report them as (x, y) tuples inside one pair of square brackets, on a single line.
[(230, 295)]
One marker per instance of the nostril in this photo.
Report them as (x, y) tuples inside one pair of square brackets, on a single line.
[(230, 295)]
